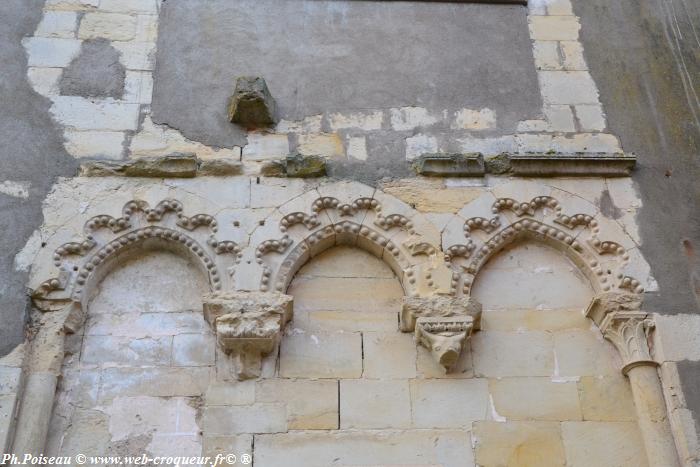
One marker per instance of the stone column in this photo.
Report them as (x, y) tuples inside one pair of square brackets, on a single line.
[(43, 367), (628, 329)]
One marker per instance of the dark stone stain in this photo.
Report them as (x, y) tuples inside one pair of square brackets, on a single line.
[(95, 72), (607, 206)]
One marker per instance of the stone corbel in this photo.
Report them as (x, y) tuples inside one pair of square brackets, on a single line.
[(248, 326), (442, 324)]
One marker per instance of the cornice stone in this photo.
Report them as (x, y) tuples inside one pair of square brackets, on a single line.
[(248, 326)]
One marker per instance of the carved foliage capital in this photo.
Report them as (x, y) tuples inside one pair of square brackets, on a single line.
[(248, 325), (605, 304), (629, 332)]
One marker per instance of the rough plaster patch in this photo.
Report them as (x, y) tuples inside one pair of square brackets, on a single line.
[(15, 189)]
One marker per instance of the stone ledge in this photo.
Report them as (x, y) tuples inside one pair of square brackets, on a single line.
[(171, 166), (581, 164), (450, 165)]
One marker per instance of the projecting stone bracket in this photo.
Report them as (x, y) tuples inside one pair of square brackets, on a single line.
[(442, 324), (248, 326)]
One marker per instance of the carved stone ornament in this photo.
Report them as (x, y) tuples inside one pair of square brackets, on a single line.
[(248, 326), (620, 319), (442, 324)]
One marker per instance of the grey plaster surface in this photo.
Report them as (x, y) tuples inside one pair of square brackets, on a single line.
[(31, 151), (648, 71), (95, 72), (340, 55)]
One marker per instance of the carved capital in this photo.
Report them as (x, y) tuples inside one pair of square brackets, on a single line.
[(442, 324), (611, 302), (444, 337), (248, 326), (629, 332)]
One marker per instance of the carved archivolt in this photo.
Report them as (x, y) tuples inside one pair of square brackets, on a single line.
[(81, 264), (436, 268)]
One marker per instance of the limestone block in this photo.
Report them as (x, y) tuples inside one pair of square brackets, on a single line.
[(364, 448), (341, 294), (448, 403), (546, 55), (535, 399), (559, 7), (114, 26), (367, 121), (44, 80), (518, 444), (371, 404), (568, 87), (57, 24), (230, 393), (50, 52), (587, 142), (420, 144), (606, 398), (256, 418), (389, 355), (488, 146), (603, 444), (572, 56), (677, 337), (85, 114), (554, 28), (265, 146), (87, 434), (137, 325), (106, 350), (129, 6), (497, 353), (157, 382), (232, 444), (138, 87), (311, 405), (321, 355), (409, 118), (72, 5), (357, 148), (310, 124), (533, 320), (349, 321), (251, 104), (470, 119), (560, 118), (430, 195), (136, 55), (584, 353), (273, 192), (328, 145), (193, 350), (102, 144)]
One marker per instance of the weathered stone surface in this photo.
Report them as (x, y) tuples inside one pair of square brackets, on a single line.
[(518, 444), (497, 353), (311, 405), (388, 355), (606, 398), (231, 444), (114, 26), (363, 448), (533, 320), (193, 350), (430, 194), (251, 104), (158, 382), (371, 404), (535, 399), (601, 165), (449, 165), (604, 444), (449, 403), (327, 145), (296, 166), (583, 353), (175, 166), (321, 355), (227, 393), (256, 418)]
